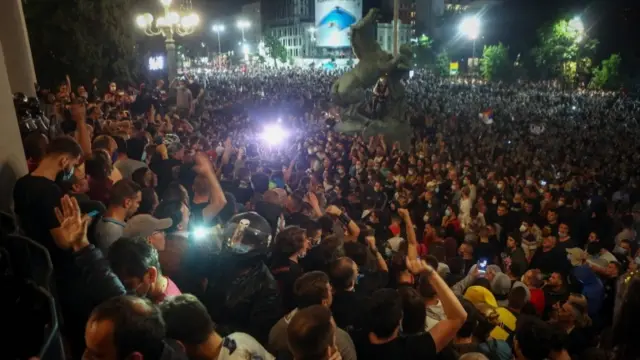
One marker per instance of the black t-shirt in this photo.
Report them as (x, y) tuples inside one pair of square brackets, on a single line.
[(486, 251), (286, 272), (551, 261), (347, 309), (164, 169), (418, 347), (35, 199)]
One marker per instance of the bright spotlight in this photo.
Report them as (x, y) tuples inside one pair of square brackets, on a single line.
[(274, 134), (470, 27), (245, 49), (200, 232)]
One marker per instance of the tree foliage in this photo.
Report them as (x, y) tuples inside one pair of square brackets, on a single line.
[(83, 38), (564, 51), (422, 51), (275, 49), (607, 75), (442, 63), (495, 64)]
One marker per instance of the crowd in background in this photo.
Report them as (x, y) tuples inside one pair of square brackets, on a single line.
[(506, 227)]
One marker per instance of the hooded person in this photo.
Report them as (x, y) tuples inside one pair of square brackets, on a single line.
[(478, 295)]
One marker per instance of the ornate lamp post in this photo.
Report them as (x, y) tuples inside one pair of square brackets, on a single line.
[(168, 25)]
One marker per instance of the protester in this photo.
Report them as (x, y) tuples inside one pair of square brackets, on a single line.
[(188, 322), (460, 192)]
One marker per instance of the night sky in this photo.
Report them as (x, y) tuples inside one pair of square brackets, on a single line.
[(613, 22)]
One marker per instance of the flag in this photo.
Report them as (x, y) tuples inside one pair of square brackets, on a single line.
[(486, 116)]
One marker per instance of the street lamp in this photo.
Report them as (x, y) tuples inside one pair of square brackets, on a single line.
[(167, 25), (218, 28), (243, 24), (577, 26), (470, 27)]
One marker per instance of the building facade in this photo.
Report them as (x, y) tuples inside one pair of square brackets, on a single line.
[(251, 13), (384, 35), (291, 22)]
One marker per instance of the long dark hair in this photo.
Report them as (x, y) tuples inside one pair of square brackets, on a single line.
[(624, 339)]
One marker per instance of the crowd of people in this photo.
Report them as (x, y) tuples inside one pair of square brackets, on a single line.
[(506, 227)]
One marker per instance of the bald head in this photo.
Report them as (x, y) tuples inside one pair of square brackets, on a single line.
[(125, 325), (343, 272)]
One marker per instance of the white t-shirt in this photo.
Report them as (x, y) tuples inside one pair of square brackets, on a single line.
[(241, 346)]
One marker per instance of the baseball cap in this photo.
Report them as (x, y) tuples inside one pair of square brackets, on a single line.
[(145, 225)]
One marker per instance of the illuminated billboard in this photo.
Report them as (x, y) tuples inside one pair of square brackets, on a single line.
[(333, 21)]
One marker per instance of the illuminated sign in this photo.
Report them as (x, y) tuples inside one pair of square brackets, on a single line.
[(454, 68), (333, 21), (156, 63)]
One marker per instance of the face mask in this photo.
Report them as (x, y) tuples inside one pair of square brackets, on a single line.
[(562, 234), (437, 189), (637, 260), (523, 228), (447, 212), (560, 203), (494, 201), (377, 168), (500, 186), (67, 174), (411, 172), (589, 202), (425, 218), (144, 157), (619, 250), (453, 188), (465, 181), (529, 182), (340, 171)]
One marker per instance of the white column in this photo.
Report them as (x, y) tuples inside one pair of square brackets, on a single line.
[(12, 161), (15, 39)]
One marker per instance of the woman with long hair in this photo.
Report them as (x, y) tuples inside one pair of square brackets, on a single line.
[(624, 338)]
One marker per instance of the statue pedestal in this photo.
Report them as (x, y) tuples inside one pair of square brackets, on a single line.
[(392, 130)]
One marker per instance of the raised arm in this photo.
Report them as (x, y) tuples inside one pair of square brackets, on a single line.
[(412, 241), (217, 201), (446, 329)]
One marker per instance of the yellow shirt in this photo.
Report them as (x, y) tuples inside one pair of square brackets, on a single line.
[(508, 322)]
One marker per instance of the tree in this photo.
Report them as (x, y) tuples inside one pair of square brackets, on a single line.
[(495, 64), (422, 52), (275, 50), (607, 75), (564, 50), (85, 39), (442, 63)]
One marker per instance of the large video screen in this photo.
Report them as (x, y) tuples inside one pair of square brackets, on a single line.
[(333, 21)]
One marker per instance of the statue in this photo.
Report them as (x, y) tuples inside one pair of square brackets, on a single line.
[(349, 91)]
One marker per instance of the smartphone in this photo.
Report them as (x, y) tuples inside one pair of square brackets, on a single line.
[(93, 213), (482, 266), (543, 183)]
